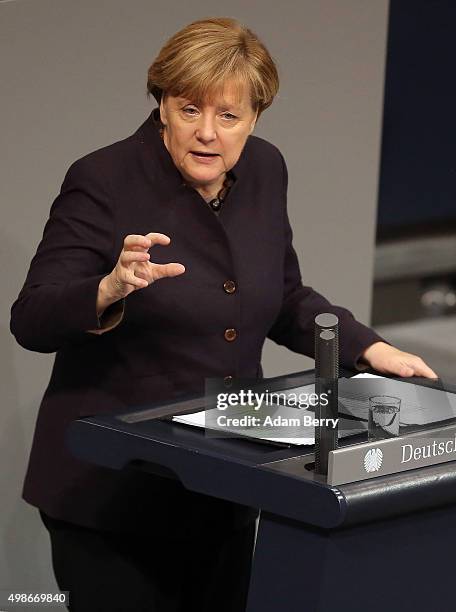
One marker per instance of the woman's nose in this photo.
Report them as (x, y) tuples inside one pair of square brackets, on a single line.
[(206, 130)]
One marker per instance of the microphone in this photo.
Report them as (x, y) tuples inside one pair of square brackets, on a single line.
[(326, 384)]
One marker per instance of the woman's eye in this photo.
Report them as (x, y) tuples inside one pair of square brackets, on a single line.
[(229, 116), (190, 111)]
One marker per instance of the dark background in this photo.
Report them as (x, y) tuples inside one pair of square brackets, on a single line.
[(417, 189)]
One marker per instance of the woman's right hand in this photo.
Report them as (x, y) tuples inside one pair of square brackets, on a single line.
[(134, 270)]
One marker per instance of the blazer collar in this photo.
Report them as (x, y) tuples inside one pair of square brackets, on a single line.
[(149, 133)]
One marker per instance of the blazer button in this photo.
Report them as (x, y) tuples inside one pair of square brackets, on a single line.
[(229, 286), (230, 334), (228, 380)]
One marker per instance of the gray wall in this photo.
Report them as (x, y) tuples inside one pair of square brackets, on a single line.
[(73, 80)]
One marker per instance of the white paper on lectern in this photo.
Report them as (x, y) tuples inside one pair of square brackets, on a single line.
[(298, 436), (419, 406)]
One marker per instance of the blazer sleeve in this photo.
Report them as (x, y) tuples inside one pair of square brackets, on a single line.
[(294, 327), (58, 299)]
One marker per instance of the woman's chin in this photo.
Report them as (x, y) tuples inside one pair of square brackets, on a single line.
[(204, 175)]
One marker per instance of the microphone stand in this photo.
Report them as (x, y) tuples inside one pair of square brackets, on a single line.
[(326, 383)]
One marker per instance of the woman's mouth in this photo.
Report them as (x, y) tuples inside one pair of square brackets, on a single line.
[(205, 158)]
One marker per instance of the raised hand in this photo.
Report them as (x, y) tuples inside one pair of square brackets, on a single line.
[(134, 270)]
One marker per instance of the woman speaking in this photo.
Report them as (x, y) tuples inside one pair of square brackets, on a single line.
[(167, 258)]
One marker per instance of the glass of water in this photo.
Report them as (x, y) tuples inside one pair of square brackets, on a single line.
[(384, 415)]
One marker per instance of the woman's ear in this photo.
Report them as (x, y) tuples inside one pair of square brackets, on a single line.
[(163, 117)]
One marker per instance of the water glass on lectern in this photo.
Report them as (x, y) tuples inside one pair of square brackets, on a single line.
[(384, 415)]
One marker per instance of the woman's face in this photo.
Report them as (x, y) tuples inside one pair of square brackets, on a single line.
[(220, 129)]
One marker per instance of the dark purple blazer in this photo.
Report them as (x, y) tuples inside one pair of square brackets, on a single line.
[(172, 335)]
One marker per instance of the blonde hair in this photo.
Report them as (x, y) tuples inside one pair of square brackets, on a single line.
[(197, 61)]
